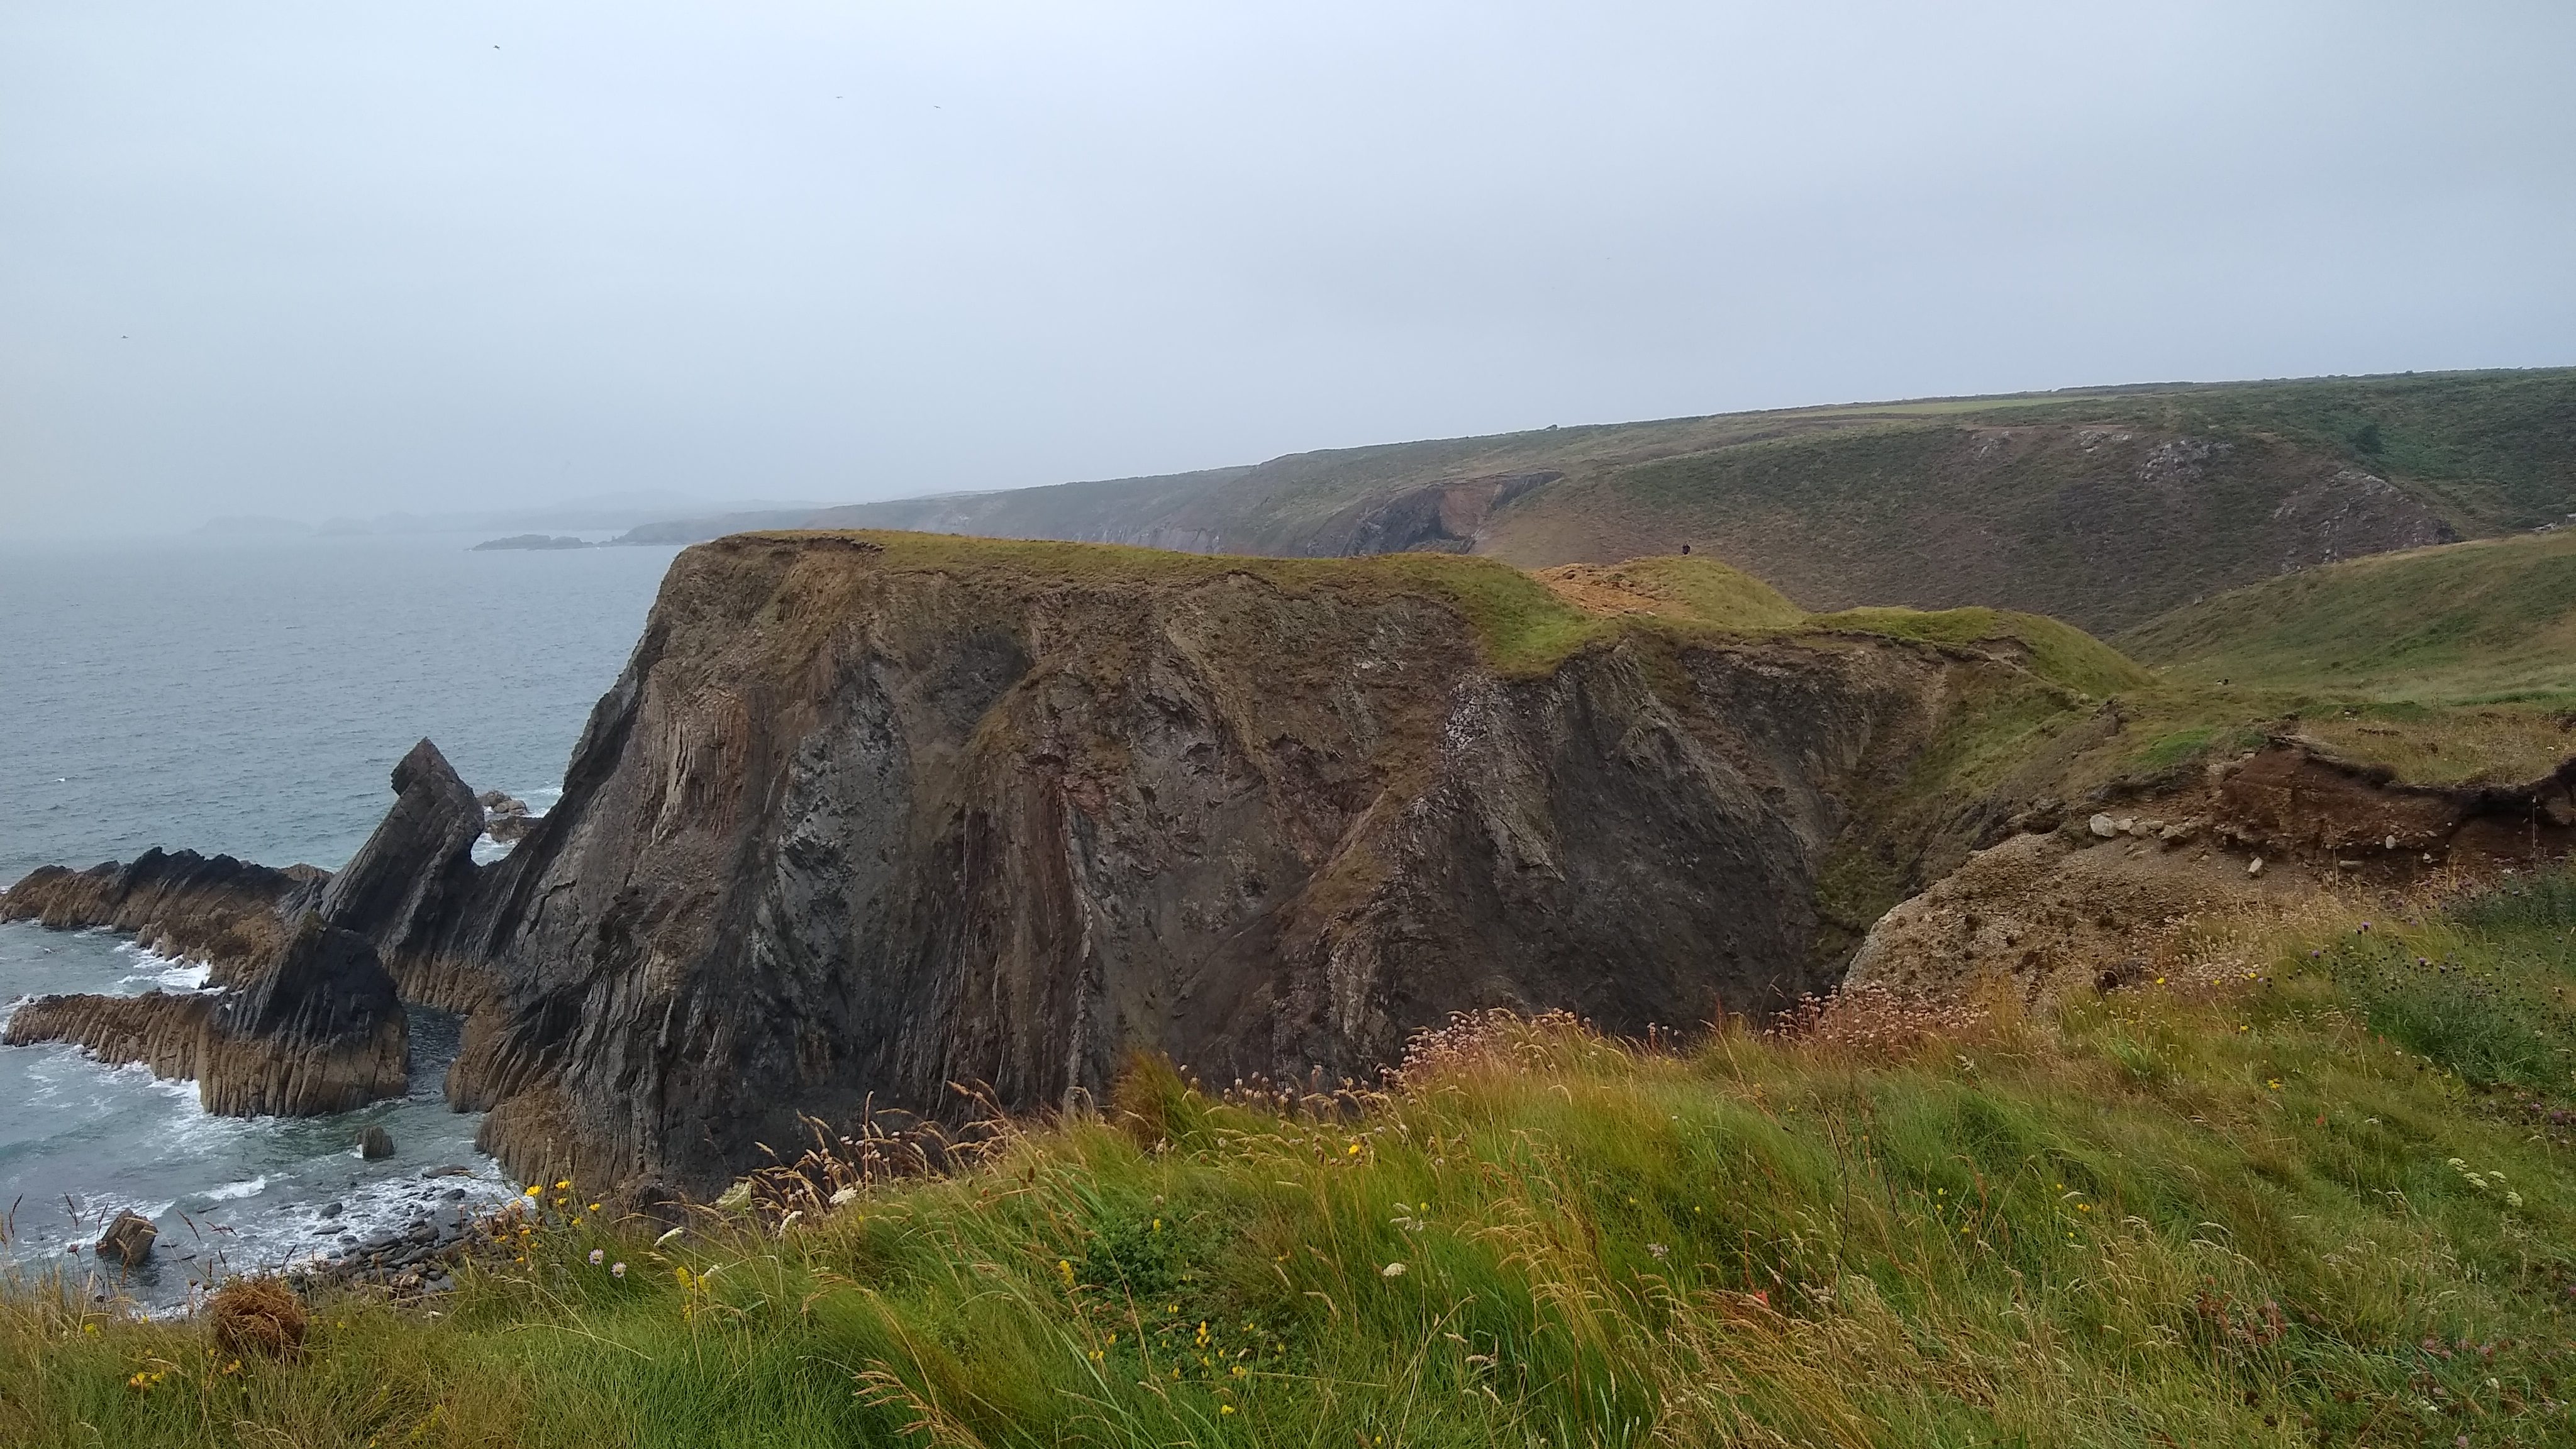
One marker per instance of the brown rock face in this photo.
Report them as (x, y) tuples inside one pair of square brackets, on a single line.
[(862, 820), (310, 1021), (318, 1031), (410, 888), (227, 913)]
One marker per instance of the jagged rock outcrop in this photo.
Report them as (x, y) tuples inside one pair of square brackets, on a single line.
[(309, 1020), (230, 914), (505, 817), (318, 1030), (869, 816), (410, 889)]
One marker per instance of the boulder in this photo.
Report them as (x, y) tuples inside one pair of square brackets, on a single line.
[(129, 1239), (2104, 827), (375, 1143)]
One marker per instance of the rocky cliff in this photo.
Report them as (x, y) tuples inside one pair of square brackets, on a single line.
[(319, 1029), (871, 815)]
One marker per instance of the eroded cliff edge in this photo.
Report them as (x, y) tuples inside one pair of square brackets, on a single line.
[(871, 815)]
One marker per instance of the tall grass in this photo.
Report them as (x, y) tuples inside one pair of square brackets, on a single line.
[(2318, 1191)]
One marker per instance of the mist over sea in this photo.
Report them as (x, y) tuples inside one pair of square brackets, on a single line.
[(251, 698)]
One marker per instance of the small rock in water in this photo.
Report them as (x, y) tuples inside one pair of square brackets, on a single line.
[(333, 1209), (2104, 826), (129, 1239), (375, 1143), (450, 1170), (455, 1194)]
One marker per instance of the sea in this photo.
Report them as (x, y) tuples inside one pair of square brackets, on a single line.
[(250, 697)]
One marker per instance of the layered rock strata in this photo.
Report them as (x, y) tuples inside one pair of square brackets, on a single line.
[(319, 1030), (869, 817), (2077, 905), (306, 1018), (229, 914)]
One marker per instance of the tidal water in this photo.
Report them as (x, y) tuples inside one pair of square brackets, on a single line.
[(251, 698)]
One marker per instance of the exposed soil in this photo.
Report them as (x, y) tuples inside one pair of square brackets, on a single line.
[(2067, 908)]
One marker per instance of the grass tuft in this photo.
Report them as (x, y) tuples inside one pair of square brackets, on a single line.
[(2316, 1190)]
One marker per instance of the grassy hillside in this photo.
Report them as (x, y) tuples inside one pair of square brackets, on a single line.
[(2472, 621), (2103, 507), (2448, 664), (2311, 1185)]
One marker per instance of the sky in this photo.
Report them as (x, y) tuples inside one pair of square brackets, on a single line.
[(316, 259)]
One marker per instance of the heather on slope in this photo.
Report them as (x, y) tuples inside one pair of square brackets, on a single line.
[(2309, 1183)]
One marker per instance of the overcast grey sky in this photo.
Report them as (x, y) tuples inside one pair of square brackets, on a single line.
[(343, 257)]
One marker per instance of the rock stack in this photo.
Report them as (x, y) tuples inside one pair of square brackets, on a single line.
[(311, 1022)]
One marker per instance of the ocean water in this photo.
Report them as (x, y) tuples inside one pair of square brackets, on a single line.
[(251, 698)]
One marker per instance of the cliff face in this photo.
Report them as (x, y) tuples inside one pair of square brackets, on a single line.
[(871, 815)]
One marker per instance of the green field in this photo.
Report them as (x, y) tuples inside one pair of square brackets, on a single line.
[(2466, 623), (2314, 1189)]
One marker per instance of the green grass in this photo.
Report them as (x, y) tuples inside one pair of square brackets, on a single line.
[(2057, 652), (1936, 502), (2458, 623), (2448, 665), (1519, 626), (2314, 1192), (1707, 592), (2497, 448)]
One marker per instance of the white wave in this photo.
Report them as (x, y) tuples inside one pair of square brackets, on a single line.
[(231, 1191), (151, 969)]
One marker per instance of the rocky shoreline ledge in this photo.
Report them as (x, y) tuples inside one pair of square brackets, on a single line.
[(303, 1018)]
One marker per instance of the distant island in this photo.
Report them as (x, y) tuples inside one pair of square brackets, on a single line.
[(532, 540)]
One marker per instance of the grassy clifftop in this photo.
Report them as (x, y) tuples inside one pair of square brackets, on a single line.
[(2451, 664), (1523, 623), (2312, 1185), (2474, 620)]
